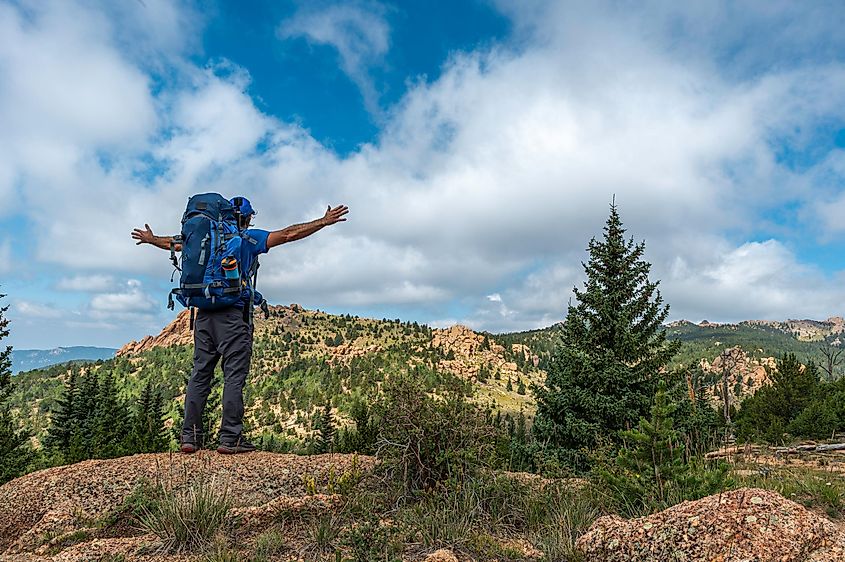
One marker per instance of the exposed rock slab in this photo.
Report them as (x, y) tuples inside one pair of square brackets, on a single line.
[(738, 526), (55, 500)]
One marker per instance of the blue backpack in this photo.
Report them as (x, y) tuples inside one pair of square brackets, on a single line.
[(211, 240)]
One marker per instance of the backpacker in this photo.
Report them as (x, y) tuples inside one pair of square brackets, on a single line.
[(211, 241)]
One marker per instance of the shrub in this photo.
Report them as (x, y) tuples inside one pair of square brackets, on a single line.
[(371, 541), (426, 440)]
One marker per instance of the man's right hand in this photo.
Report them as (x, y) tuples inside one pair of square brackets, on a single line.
[(143, 236)]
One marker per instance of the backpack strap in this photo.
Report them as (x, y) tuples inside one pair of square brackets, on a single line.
[(170, 297), (173, 241)]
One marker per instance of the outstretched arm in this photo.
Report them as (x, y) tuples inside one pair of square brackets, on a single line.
[(147, 237), (299, 231)]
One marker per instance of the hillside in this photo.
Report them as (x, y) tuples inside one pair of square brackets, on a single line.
[(707, 340), (303, 358)]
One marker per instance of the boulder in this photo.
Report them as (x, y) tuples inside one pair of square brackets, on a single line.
[(738, 526)]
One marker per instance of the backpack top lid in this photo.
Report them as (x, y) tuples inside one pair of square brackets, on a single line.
[(212, 205)]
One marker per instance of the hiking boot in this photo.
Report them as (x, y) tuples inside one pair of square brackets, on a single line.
[(188, 448), (239, 446)]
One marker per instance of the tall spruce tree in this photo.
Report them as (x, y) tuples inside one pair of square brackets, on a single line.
[(148, 431), (82, 442), (64, 416), (15, 454), (325, 430), (601, 378), (110, 420)]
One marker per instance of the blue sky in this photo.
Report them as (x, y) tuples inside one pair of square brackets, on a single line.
[(477, 144)]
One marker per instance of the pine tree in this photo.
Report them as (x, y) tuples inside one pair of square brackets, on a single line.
[(148, 431), (110, 420), (602, 376), (654, 452), (82, 432), (15, 454), (211, 416), (159, 441), (766, 415), (650, 472), (141, 421), (325, 430), (64, 416)]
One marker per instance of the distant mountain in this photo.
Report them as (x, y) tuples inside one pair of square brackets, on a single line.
[(28, 359)]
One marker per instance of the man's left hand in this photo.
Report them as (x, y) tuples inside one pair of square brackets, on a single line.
[(335, 215)]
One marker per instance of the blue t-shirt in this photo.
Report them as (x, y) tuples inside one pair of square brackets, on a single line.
[(254, 244)]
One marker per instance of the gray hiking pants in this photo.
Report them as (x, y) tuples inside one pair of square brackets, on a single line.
[(218, 333)]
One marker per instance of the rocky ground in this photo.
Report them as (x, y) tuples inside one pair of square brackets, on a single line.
[(742, 525), (71, 513), (79, 513)]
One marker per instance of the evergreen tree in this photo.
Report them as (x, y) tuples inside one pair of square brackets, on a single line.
[(325, 430), (148, 431), (64, 416), (109, 427), (82, 435), (650, 472), (602, 376), (15, 453), (767, 415)]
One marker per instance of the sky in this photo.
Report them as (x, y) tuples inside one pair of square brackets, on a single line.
[(477, 143)]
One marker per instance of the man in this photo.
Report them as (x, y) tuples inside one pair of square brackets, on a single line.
[(226, 333)]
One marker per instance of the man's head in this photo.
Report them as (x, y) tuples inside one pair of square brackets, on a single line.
[(244, 208)]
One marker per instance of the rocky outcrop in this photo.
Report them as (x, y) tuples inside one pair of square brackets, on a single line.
[(441, 555), (467, 351), (178, 332), (737, 526), (746, 375), (74, 498)]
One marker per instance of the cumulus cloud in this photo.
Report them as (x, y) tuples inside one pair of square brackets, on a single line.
[(35, 310), (757, 280), (87, 283), (488, 181), (359, 32), (131, 300)]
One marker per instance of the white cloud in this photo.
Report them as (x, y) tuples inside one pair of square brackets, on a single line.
[(757, 280), (359, 32), (488, 181), (34, 310), (130, 301), (87, 283)]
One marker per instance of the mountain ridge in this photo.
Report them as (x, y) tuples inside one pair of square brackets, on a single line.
[(28, 359)]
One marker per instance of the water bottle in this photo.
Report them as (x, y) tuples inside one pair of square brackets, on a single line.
[(230, 268)]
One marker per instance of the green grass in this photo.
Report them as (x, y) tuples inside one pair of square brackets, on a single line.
[(189, 518), (815, 489)]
